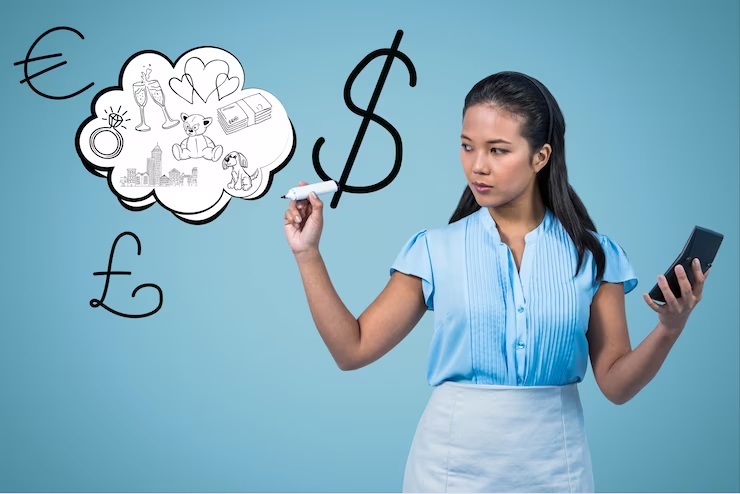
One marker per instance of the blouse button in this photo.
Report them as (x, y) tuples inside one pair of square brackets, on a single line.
[(520, 309), (520, 345)]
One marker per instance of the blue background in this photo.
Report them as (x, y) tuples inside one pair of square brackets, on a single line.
[(229, 387)]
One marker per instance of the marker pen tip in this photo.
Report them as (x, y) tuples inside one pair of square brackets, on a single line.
[(282, 197)]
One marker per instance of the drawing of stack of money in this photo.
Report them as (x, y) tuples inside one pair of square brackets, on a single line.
[(248, 111)]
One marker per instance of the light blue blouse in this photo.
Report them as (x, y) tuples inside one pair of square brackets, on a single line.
[(496, 325)]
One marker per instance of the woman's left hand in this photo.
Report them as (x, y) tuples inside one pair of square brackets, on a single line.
[(675, 312)]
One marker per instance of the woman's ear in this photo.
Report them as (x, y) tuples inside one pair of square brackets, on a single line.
[(541, 158)]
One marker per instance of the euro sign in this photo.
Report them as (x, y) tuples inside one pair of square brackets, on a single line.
[(27, 78), (368, 115)]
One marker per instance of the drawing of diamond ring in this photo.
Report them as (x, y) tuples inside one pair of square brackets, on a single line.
[(114, 120)]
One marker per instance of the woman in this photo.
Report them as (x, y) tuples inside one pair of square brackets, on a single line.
[(524, 291)]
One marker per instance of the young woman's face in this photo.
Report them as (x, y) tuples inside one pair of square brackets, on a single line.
[(497, 160)]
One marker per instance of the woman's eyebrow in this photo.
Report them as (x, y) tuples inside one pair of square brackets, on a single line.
[(490, 141)]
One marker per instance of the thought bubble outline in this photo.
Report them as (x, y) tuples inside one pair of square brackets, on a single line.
[(209, 213)]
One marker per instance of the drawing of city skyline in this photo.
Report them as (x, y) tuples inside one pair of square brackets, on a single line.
[(153, 176)]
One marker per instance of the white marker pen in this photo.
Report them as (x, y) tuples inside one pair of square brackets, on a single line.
[(302, 192)]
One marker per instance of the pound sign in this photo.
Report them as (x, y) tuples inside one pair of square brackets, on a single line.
[(94, 303)]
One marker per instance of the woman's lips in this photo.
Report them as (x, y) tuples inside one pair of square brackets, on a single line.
[(482, 188)]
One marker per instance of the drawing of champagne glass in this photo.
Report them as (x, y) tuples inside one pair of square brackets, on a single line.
[(141, 100), (155, 90)]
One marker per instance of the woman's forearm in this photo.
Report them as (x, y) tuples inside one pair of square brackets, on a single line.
[(634, 370), (337, 326)]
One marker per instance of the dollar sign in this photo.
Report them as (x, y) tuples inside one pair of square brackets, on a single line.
[(367, 116)]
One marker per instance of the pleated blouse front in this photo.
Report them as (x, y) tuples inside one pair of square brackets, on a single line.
[(494, 324)]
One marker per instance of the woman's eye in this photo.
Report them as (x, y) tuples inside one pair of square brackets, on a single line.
[(498, 151), (466, 147)]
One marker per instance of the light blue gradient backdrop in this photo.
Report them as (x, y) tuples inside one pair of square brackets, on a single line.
[(229, 387)]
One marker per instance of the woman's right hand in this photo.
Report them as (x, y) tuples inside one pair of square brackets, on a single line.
[(303, 224)]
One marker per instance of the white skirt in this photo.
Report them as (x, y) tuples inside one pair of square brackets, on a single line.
[(490, 438)]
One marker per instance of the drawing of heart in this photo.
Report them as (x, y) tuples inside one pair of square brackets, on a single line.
[(203, 75), (226, 85), (183, 87)]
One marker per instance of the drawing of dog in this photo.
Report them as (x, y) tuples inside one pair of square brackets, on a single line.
[(241, 178), (197, 144)]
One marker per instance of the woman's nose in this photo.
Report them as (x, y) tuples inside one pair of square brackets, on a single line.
[(480, 166)]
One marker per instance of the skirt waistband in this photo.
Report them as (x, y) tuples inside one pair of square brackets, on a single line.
[(566, 396), (504, 386)]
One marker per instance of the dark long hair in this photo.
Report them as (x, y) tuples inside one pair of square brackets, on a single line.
[(542, 122)]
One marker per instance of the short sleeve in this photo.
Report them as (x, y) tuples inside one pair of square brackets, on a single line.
[(415, 259), (618, 267)]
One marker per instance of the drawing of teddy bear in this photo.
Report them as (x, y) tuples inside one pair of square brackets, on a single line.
[(197, 144), (241, 179)]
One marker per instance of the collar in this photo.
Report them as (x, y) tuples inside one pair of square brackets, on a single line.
[(490, 224)]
